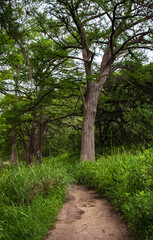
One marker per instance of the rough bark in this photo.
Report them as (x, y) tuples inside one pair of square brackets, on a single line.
[(31, 148), (93, 93), (90, 110), (89, 114)]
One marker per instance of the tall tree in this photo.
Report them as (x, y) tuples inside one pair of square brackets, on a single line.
[(112, 30), (80, 30), (30, 77)]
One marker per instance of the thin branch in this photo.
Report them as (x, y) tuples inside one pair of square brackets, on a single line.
[(94, 17), (39, 100), (114, 68), (62, 117), (77, 58), (127, 42), (128, 26), (113, 28)]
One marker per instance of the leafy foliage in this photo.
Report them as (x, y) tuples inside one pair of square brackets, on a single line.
[(124, 111), (31, 197), (127, 180)]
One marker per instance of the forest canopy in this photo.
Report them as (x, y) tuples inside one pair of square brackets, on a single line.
[(74, 76)]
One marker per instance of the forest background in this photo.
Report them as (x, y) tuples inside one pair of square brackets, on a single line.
[(75, 81)]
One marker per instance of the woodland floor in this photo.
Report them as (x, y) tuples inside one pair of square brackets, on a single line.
[(88, 216)]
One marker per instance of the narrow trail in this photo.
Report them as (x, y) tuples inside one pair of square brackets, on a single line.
[(88, 216)]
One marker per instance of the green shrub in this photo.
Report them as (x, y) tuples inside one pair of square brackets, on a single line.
[(127, 180), (31, 197), (139, 212)]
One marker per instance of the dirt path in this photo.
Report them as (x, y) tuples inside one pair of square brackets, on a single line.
[(87, 216)]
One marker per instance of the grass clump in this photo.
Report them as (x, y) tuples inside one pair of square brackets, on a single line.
[(31, 197), (127, 180)]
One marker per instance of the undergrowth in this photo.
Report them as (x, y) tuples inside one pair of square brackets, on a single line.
[(127, 180), (31, 197)]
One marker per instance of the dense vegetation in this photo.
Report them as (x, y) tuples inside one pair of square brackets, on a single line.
[(126, 178), (74, 78), (63, 61), (31, 198)]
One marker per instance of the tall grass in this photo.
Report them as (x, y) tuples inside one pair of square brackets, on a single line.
[(31, 197), (127, 180)]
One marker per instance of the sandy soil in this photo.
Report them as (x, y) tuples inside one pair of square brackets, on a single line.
[(88, 216)]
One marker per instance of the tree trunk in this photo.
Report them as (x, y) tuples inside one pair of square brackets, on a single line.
[(40, 137), (89, 114), (14, 137), (90, 110), (93, 93), (31, 148), (14, 149)]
